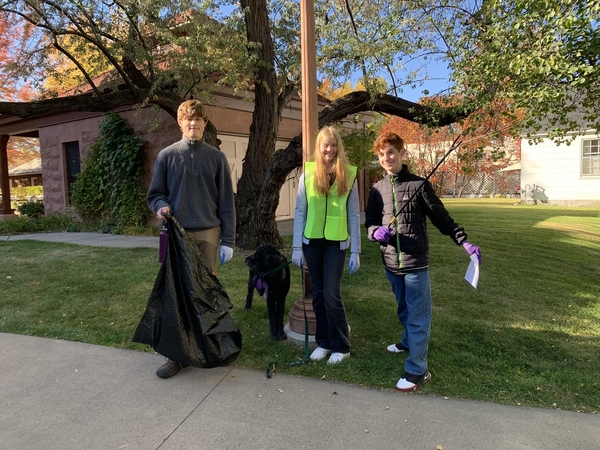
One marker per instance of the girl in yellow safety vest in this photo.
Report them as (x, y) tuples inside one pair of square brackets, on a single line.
[(326, 223)]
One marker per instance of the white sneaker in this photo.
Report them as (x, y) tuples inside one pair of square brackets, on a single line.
[(410, 382), (337, 357), (319, 353), (397, 348)]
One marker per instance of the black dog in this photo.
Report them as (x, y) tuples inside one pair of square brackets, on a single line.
[(269, 275)]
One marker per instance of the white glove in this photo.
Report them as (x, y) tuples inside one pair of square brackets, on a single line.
[(354, 262), (225, 253), (298, 257)]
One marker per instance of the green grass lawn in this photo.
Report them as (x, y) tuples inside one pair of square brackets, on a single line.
[(529, 335)]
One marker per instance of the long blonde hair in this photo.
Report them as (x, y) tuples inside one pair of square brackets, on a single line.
[(321, 177)]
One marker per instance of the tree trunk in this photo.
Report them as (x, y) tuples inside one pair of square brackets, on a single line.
[(256, 213), (258, 188)]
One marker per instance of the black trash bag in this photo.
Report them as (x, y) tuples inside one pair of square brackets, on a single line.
[(187, 317)]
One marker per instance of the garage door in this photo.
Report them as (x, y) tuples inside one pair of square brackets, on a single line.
[(235, 149)]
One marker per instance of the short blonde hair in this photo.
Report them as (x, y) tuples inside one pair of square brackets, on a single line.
[(191, 109), (388, 138)]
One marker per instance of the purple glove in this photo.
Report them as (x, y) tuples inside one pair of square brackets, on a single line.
[(382, 234), (472, 250)]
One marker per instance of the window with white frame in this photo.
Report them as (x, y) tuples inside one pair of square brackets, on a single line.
[(590, 157)]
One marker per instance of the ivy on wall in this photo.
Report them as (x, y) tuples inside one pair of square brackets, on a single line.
[(109, 188)]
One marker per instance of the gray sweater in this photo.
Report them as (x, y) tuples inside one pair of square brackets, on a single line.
[(194, 180)]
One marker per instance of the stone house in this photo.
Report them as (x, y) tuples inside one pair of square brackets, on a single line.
[(27, 174), (65, 138)]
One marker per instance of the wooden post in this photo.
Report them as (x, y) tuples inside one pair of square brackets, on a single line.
[(310, 120), (5, 209), (310, 129)]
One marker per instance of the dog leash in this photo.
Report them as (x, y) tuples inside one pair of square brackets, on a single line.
[(276, 268), (271, 365), (259, 281)]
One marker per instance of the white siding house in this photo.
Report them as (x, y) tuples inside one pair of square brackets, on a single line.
[(568, 175)]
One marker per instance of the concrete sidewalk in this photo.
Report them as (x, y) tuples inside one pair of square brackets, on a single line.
[(95, 239), (285, 228), (66, 395)]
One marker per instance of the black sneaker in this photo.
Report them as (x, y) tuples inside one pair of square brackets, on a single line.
[(170, 368), (397, 348), (410, 382)]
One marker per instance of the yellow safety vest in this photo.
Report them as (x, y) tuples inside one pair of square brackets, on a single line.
[(327, 215)]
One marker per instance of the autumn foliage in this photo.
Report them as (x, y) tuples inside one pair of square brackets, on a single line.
[(10, 45), (488, 141), (20, 149)]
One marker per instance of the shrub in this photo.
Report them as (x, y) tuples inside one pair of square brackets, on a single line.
[(25, 192), (32, 208), (24, 224), (358, 145)]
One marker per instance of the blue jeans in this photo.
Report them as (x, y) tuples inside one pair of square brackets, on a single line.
[(413, 296), (325, 262)]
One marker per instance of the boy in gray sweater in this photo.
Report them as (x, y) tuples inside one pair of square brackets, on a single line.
[(192, 181)]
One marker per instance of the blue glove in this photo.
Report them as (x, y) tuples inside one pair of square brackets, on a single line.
[(225, 253), (298, 257), (382, 234), (354, 262), (472, 250)]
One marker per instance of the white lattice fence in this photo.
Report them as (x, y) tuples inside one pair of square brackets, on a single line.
[(480, 185)]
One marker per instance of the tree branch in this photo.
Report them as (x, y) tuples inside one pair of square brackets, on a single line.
[(361, 101), (75, 61), (89, 103)]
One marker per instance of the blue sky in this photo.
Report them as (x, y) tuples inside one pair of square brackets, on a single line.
[(439, 81), (433, 86)]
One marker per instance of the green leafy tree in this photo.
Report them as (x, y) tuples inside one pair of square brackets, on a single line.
[(358, 145), (539, 56), (161, 52)]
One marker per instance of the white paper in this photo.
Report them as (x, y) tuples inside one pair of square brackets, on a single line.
[(472, 275)]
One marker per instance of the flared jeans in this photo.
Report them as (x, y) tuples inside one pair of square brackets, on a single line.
[(325, 262)]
